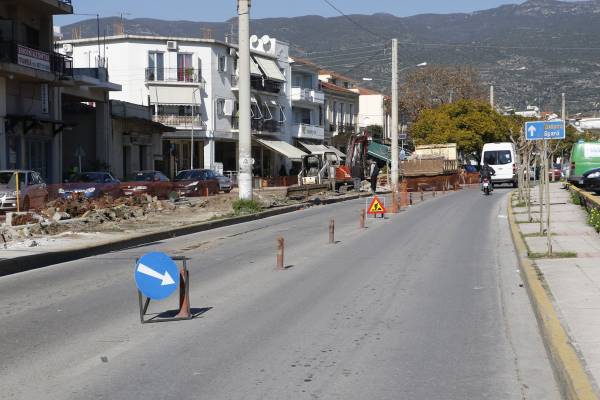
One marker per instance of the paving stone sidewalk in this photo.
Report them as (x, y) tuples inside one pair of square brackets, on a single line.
[(573, 282)]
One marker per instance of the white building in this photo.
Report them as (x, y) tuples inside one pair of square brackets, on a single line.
[(342, 103), (373, 110), (191, 85)]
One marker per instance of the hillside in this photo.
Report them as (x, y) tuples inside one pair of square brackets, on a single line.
[(534, 50)]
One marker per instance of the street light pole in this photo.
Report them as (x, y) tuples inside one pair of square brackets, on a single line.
[(394, 132), (245, 133)]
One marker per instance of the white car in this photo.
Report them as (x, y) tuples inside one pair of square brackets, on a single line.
[(502, 158)]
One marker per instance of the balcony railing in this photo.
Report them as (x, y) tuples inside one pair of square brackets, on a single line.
[(308, 95), (266, 85), (184, 75), (263, 126), (13, 52), (65, 1), (180, 121)]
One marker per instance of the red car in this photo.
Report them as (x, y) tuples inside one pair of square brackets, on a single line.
[(153, 183), (196, 182)]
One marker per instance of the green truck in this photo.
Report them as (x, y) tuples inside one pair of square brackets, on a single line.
[(584, 156)]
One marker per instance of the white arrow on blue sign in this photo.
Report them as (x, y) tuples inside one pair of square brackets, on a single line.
[(154, 274), (545, 130)]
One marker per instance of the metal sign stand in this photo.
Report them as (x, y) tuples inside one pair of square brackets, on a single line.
[(184, 298)]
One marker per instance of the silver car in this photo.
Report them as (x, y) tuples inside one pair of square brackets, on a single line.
[(33, 192), (225, 183)]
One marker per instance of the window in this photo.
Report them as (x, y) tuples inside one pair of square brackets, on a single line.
[(6, 30), (221, 107), (500, 157), (222, 64), (185, 68), (32, 37), (156, 66)]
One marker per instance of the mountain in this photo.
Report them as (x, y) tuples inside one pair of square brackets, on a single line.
[(530, 52)]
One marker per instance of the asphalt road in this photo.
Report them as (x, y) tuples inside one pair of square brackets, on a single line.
[(423, 305)]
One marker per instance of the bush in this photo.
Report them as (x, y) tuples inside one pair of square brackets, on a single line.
[(246, 207), (594, 219), (575, 199)]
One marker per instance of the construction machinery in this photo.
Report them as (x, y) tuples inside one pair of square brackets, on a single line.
[(327, 168)]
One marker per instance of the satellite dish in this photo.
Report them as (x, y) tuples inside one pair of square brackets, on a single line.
[(254, 40), (265, 39)]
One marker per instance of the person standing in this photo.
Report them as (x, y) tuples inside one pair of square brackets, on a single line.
[(374, 176)]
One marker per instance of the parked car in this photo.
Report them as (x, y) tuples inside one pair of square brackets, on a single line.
[(91, 185), (196, 182), (225, 183), (33, 192), (591, 180), (153, 183), (556, 171), (584, 157), (502, 158)]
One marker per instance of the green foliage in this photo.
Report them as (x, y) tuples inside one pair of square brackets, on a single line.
[(594, 219), (468, 123), (575, 199), (241, 207), (375, 131)]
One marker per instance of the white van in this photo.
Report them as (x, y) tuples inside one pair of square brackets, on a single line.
[(502, 158)]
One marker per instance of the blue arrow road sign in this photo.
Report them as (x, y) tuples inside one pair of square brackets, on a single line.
[(545, 130), (156, 276)]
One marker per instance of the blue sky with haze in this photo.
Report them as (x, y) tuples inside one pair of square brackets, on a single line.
[(221, 10)]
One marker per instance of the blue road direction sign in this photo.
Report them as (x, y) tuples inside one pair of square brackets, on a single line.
[(545, 130), (156, 276)]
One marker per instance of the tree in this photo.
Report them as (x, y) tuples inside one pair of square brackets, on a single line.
[(468, 123), (434, 86), (376, 131)]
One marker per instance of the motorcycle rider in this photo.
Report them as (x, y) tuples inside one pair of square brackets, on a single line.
[(486, 173)]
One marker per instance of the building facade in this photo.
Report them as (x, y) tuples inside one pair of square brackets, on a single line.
[(308, 103), (191, 85), (342, 106), (31, 78), (374, 111)]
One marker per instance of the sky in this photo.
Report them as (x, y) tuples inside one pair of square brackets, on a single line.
[(222, 10)]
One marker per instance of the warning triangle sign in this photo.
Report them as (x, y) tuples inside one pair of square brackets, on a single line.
[(376, 207)]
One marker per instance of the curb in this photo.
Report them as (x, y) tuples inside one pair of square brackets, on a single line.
[(35, 261), (570, 373)]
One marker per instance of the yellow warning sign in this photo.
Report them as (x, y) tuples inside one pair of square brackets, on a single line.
[(376, 207)]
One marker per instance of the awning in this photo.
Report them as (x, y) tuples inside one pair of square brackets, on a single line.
[(336, 151), (254, 70), (314, 148), (270, 68), (283, 148), (171, 95), (380, 151)]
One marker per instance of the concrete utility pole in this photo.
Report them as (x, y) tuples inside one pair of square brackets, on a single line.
[(492, 96), (395, 154), (564, 108), (245, 135)]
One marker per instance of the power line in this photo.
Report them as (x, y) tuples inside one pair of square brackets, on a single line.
[(495, 47), (360, 54), (328, 2), (344, 50)]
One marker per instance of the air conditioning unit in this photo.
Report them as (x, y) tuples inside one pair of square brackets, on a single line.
[(171, 45), (68, 48), (232, 52)]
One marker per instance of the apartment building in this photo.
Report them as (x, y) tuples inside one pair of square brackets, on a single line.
[(342, 105), (191, 85), (308, 103), (31, 75)]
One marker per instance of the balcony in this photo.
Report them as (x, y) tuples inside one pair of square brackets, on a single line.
[(308, 95), (180, 121), (304, 131), (174, 75), (32, 59), (260, 126), (265, 85)]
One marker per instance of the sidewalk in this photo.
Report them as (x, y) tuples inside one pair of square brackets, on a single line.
[(573, 283)]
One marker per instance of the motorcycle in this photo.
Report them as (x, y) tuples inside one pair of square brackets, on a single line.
[(486, 186)]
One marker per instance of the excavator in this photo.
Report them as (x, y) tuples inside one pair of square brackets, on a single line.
[(329, 168)]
